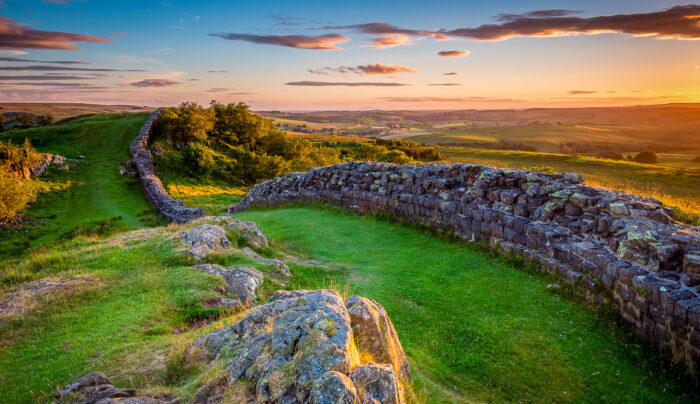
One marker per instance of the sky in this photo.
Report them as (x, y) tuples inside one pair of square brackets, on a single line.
[(359, 55)]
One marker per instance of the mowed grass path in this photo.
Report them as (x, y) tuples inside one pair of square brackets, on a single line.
[(477, 328), (90, 197)]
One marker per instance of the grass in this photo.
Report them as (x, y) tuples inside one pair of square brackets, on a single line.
[(478, 328), (89, 197)]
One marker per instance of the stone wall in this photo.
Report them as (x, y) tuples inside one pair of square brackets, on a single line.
[(617, 250), (173, 209)]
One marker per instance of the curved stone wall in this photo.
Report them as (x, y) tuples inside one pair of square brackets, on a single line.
[(173, 209), (617, 250)]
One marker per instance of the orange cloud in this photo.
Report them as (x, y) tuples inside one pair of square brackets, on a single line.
[(376, 68), (343, 83), (454, 53), (680, 22), (15, 36), (322, 42), (155, 83), (576, 92)]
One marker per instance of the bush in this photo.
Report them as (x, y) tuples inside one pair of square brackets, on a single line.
[(25, 121), (46, 119), (646, 157), (198, 159), (187, 123), (14, 195), (612, 156)]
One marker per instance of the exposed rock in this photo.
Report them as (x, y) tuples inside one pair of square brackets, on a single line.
[(618, 209), (28, 296), (205, 239), (241, 282), (96, 388), (299, 347), (691, 263), (281, 266), (375, 334), (377, 384)]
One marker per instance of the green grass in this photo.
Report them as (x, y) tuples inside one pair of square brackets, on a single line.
[(92, 193), (477, 328)]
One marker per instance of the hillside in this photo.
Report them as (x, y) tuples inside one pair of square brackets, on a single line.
[(64, 110), (475, 327)]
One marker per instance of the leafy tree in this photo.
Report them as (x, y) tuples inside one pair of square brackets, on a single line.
[(2, 122), (235, 124), (646, 157), (280, 144), (187, 123), (46, 119), (25, 121)]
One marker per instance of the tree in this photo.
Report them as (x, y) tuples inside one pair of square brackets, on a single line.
[(25, 121), (646, 157), (187, 123), (237, 125), (2, 122), (46, 119), (14, 195)]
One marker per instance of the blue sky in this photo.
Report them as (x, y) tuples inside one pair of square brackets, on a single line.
[(645, 55)]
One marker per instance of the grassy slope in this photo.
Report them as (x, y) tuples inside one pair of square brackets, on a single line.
[(89, 194), (475, 327)]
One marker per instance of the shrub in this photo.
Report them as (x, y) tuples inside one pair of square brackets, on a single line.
[(46, 119), (187, 123), (2, 122), (612, 156), (198, 159), (25, 121), (396, 157), (14, 195), (646, 157)]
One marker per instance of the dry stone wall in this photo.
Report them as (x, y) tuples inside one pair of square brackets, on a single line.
[(618, 250), (173, 209)]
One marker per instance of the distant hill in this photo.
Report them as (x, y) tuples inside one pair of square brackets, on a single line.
[(64, 110)]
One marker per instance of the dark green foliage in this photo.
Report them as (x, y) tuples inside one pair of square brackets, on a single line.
[(646, 157), (2, 122), (46, 119), (25, 121), (612, 156), (230, 143)]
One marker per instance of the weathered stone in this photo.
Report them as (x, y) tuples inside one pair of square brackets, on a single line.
[(618, 209), (299, 347), (375, 334), (377, 384), (204, 239), (241, 282), (97, 388), (691, 262)]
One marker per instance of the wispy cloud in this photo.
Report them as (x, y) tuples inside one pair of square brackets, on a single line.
[(576, 92), (537, 14), (376, 68), (454, 53), (53, 84), (155, 83), (344, 84), (218, 71), (680, 22), (444, 84), (65, 68), (321, 42), (389, 35), (450, 99), (47, 77), (219, 90), (16, 36), (451, 74), (59, 62)]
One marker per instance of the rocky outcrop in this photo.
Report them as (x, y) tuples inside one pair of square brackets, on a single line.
[(95, 388), (301, 347), (616, 249), (204, 239), (173, 209), (241, 282)]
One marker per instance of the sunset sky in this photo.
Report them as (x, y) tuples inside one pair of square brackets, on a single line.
[(313, 55)]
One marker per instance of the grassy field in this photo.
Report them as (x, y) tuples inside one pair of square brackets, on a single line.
[(89, 197), (65, 110), (476, 328)]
